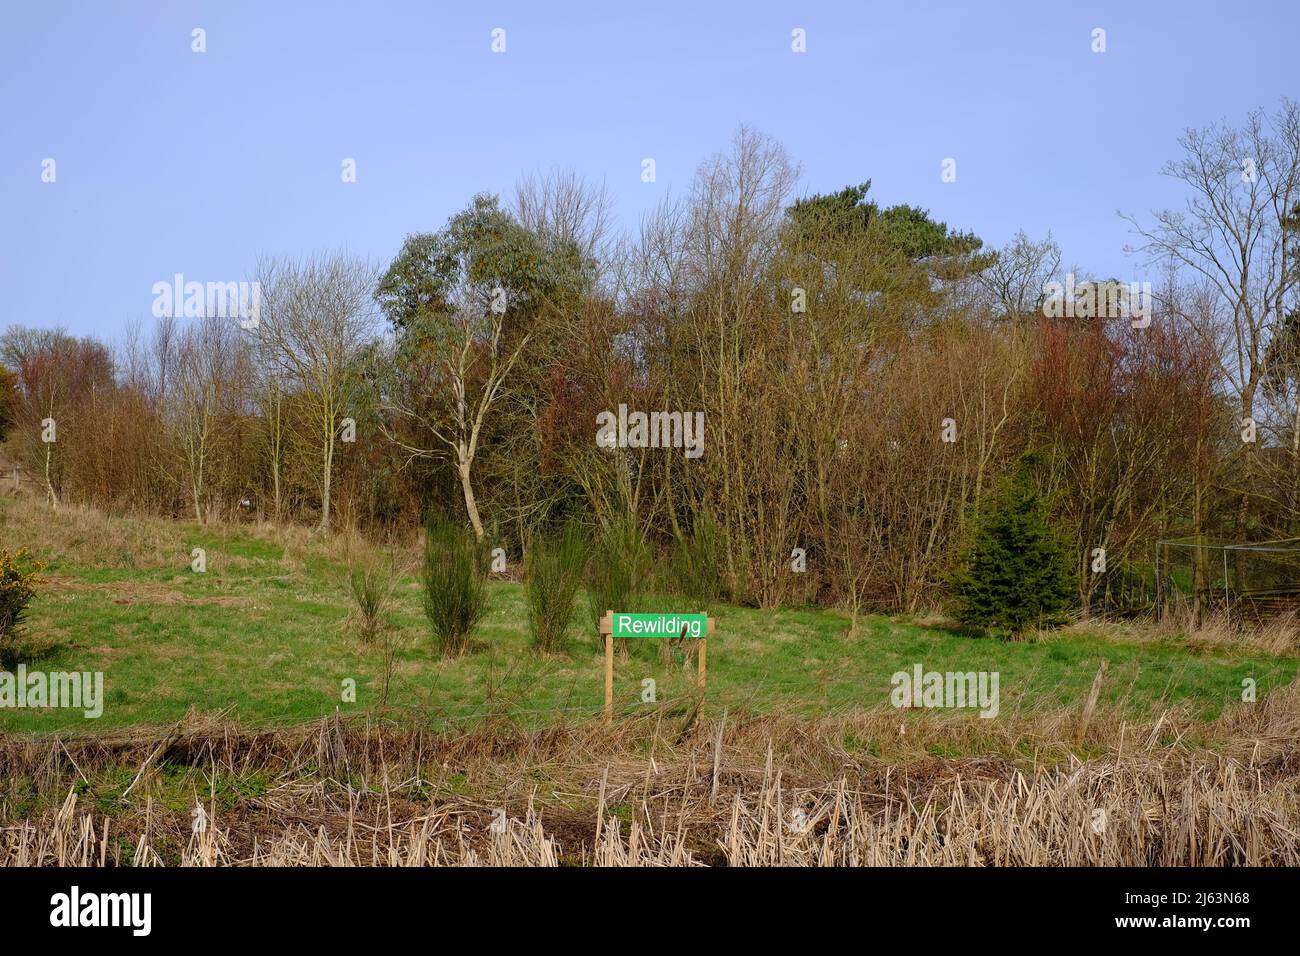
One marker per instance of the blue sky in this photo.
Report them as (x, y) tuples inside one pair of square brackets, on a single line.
[(170, 161)]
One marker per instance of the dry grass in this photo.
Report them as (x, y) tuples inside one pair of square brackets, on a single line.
[(1277, 634), (85, 536), (867, 790)]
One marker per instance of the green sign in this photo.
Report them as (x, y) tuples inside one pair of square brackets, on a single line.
[(660, 625)]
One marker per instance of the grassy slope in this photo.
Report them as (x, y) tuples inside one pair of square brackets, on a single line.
[(265, 630)]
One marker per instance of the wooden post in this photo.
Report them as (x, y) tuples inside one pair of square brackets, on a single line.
[(703, 675), (1227, 598), (607, 632), (607, 629), (609, 679), (704, 656)]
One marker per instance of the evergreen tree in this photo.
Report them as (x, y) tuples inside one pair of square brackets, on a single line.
[(1016, 572)]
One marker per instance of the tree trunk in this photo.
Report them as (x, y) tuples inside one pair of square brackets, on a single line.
[(275, 483), (1295, 462), (325, 485), (463, 465), (49, 485), (277, 439)]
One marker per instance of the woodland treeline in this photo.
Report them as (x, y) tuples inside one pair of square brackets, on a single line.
[(825, 337)]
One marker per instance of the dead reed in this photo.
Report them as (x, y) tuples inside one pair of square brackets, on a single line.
[(872, 789)]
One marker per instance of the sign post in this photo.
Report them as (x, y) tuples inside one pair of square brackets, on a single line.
[(671, 626), (609, 676)]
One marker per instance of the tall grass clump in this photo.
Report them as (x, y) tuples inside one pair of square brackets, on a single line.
[(553, 568), (373, 581), (454, 579), (694, 568), (619, 569)]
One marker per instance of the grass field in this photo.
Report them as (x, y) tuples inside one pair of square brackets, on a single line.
[(264, 636), (223, 692)]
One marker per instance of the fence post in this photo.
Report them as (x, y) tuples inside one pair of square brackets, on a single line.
[(607, 629), (703, 675), (1227, 600), (1159, 606)]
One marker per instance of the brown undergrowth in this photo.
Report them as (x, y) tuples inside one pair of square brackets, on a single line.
[(869, 789)]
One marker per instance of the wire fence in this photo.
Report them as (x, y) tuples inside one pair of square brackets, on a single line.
[(1245, 581)]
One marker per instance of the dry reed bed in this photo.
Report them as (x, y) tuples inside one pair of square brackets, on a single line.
[(738, 791)]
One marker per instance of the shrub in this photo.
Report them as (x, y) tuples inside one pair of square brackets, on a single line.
[(373, 581), (1016, 572), (553, 568), (18, 580), (455, 582), (694, 568), (620, 563), (372, 588), (8, 401)]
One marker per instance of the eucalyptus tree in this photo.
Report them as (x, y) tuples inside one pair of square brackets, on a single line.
[(464, 304)]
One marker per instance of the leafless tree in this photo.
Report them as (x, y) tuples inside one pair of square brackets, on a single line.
[(316, 320), (564, 206), (204, 376), (473, 364), (1017, 275), (1236, 232)]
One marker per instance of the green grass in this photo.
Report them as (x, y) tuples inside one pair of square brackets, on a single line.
[(263, 631)]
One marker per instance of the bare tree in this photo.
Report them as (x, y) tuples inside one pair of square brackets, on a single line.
[(58, 376), (1016, 277), (270, 400), (738, 204), (316, 320), (564, 206), (1236, 233), (203, 376), (163, 349)]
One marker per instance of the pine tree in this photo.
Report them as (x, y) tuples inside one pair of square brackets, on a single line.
[(1016, 572)]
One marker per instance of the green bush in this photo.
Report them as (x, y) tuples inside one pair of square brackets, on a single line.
[(1017, 572), (553, 568), (619, 569), (696, 562), (454, 578), (372, 583), (18, 580)]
